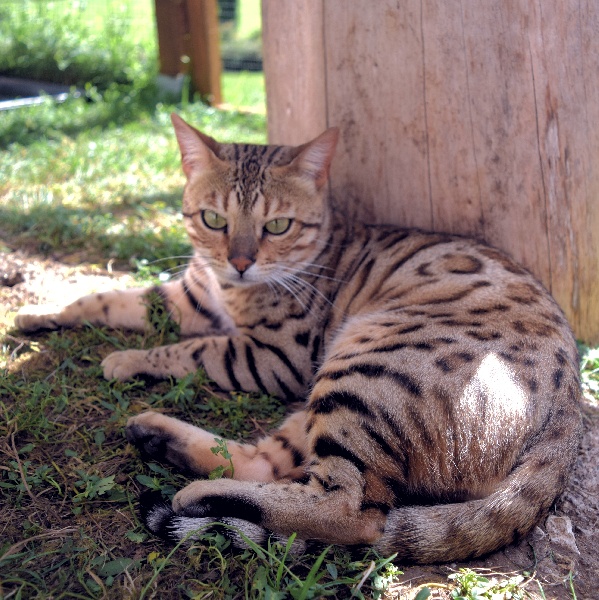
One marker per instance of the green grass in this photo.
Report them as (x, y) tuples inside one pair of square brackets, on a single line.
[(245, 89), (78, 43)]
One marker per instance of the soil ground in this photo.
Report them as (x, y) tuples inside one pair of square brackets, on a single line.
[(566, 543)]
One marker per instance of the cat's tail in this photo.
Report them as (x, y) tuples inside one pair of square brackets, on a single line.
[(160, 518), (460, 531)]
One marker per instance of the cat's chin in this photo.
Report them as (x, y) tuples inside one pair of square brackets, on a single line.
[(241, 282)]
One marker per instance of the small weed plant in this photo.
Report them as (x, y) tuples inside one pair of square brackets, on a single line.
[(471, 585)]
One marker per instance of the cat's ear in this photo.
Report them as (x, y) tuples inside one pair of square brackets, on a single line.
[(198, 150), (313, 160)]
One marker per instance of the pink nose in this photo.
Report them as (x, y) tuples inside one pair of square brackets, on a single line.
[(241, 263)]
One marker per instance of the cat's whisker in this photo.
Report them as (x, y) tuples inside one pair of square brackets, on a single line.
[(300, 263), (316, 275), (292, 267), (304, 287), (286, 286), (291, 275), (175, 270), (306, 284), (182, 256), (273, 288)]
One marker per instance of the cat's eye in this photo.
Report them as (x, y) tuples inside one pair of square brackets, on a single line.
[(213, 220), (278, 226)]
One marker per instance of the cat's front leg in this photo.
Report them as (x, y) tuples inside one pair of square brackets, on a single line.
[(194, 306), (240, 362), (174, 360), (116, 309), (278, 456)]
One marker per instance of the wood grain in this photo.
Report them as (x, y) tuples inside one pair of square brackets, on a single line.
[(478, 119), (293, 49)]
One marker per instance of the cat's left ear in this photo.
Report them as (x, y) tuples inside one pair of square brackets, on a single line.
[(198, 150), (314, 158)]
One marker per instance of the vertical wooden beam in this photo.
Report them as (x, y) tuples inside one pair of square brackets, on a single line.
[(171, 28), (190, 28), (294, 69), (375, 88), (204, 48)]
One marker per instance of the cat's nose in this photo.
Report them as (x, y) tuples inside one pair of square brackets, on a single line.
[(241, 263)]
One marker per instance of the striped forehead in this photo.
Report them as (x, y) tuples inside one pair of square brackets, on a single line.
[(249, 164)]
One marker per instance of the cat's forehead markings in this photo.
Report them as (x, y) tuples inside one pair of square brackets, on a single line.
[(250, 163)]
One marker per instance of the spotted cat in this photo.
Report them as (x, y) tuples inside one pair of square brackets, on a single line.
[(440, 380)]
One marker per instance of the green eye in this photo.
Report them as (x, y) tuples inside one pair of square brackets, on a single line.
[(213, 220), (278, 226)]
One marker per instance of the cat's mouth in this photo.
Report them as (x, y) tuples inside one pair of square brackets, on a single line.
[(247, 278)]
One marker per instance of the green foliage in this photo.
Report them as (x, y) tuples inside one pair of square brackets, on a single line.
[(165, 328), (590, 370), (471, 585), (69, 46), (221, 448)]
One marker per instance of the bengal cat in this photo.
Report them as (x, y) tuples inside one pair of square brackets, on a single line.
[(440, 379)]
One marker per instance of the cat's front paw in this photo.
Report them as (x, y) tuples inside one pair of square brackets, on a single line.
[(162, 438), (125, 364), (33, 318), (147, 432)]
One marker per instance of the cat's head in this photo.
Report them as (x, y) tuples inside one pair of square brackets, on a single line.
[(255, 213)]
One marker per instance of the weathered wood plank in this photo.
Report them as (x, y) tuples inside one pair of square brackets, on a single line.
[(501, 105), (375, 95), (190, 28), (293, 49), (565, 65), (171, 29), (204, 49)]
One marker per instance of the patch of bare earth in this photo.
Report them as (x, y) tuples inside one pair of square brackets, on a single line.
[(566, 543)]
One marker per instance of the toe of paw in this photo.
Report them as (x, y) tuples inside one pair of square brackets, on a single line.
[(151, 447), (30, 323), (219, 506), (156, 513)]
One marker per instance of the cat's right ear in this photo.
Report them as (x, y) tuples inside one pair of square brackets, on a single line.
[(198, 150)]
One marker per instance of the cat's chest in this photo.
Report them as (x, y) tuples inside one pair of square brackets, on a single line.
[(266, 308)]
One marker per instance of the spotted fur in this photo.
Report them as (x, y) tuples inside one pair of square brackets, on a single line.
[(440, 379)]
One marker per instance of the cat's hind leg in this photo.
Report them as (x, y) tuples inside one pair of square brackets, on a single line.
[(278, 456), (259, 510)]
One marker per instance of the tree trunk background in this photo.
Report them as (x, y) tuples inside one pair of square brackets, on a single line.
[(473, 118)]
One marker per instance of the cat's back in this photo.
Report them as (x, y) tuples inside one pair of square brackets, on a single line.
[(454, 288)]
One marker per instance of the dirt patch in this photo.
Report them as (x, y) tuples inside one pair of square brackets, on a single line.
[(567, 543)]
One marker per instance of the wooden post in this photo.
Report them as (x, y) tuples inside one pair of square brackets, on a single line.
[(190, 28), (478, 119), (290, 120)]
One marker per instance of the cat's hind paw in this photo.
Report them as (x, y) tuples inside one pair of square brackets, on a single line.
[(34, 318), (125, 364), (162, 520)]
